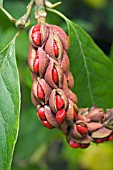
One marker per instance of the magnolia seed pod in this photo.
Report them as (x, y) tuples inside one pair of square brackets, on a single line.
[(62, 99), (65, 87), (83, 140), (72, 96), (65, 63), (70, 80), (51, 91), (64, 128), (38, 34), (49, 76), (34, 100), (73, 132), (49, 45), (101, 133), (108, 121), (50, 117), (60, 47), (43, 61), (71, 110), (83, 118), (94, 126), (95, 114), (46, 89), (62, 35), (42, 58), (53, 40), (31, 57)]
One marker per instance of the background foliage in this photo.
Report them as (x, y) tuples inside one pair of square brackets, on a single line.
[(38, 148)]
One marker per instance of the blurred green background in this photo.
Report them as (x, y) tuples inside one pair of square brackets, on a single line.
[(38, 148)]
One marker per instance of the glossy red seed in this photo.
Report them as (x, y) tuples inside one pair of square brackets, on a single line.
[(40, 92), (74, 144), (59, 102), (55, 75), (47, 125), (82, 129), (60, 116), (84, 146), (41, 113), (103, 116), (36, 65), (55, 49), (36, 36), (36, 28), (99, 140), (110, 137)]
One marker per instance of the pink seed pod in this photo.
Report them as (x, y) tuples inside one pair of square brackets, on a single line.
[(41, 90), (54, 46), (62, 35), (71, 110), (49, 74), (57, 100), (52, 90), (38, 61)]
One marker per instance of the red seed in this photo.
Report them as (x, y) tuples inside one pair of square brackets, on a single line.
[(47, 125), (82, 129), (55, 49), (110, 137), (84, 145), (36, 65), (59, 102), (74, 144), (36, 36), (40, 92), (60, 116), (55, 75), (41, 113), (36, 28), (99, 140), (103, 116)]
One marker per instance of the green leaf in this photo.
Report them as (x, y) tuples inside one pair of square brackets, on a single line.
[(111, 53), (9, 105), (1, 3), (92, 70)]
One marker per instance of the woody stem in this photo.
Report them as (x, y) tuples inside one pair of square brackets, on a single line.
[(40, 13)]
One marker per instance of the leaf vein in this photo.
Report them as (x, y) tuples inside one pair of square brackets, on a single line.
[(85, 64)]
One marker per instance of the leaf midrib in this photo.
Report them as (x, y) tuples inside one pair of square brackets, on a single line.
[(85, 64)]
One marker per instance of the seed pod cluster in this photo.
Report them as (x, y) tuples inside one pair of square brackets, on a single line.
[(51, 92)]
